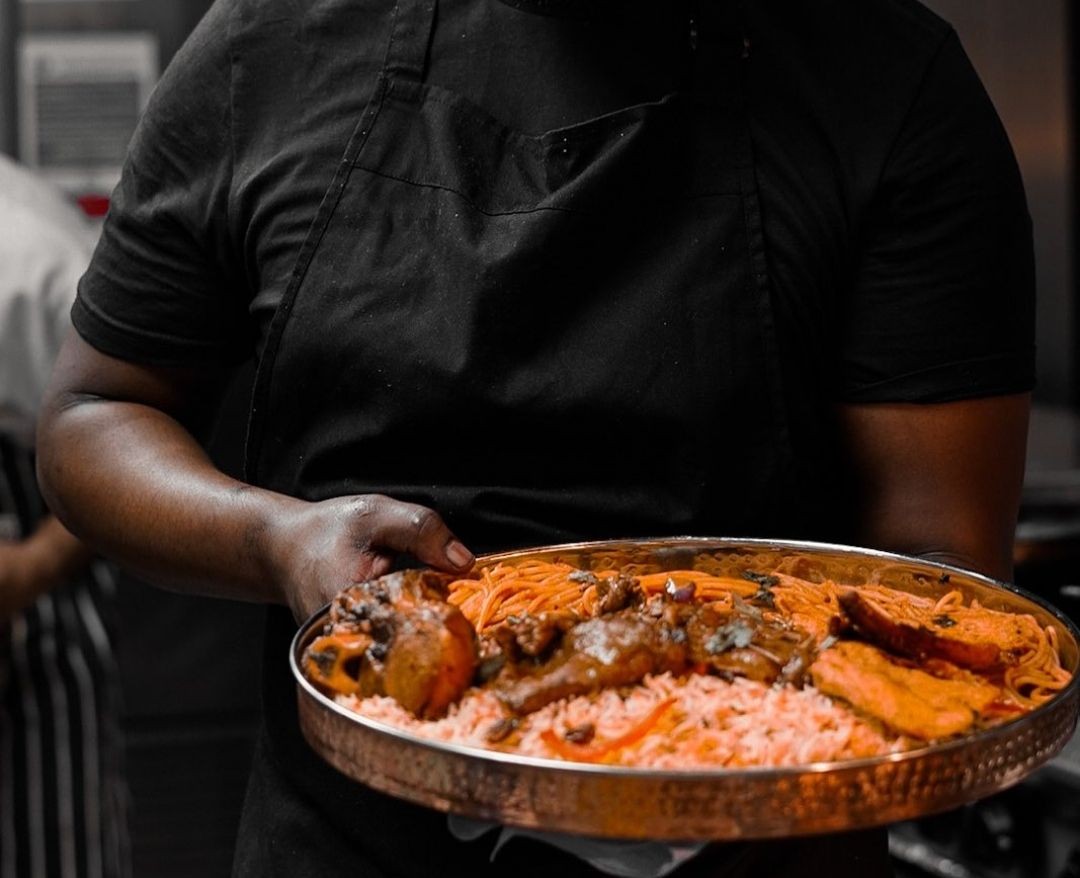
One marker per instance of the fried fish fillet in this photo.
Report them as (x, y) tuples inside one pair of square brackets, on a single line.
[(905, 699)]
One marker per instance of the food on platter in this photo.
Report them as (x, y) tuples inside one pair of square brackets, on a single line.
[(674, 669), (907, 699), (397, 636)]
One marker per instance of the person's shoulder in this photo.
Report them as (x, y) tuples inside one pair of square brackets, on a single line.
[(848, 71), (252, 22), (892, 37), (895, 26), (904, 21), (304, 17), (283, 47), (909, 21)]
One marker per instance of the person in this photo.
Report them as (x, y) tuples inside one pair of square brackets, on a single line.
[(62, 793), (522, 272)]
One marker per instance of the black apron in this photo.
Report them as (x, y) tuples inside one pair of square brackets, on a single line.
[(545, 337)]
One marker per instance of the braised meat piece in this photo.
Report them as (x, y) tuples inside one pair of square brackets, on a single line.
[(613, 650), (770, 655), (617, 593), (663, 634), (532, 635), (740, 640), (359, 603), (945, 640), (905, 699), (396, 636)]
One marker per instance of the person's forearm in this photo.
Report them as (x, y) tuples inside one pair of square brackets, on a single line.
[(120, 469), (134, 484)]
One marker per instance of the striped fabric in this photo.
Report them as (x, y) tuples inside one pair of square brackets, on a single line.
[(62, 798)]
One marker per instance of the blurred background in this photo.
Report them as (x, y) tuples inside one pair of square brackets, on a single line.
[(74, 75)]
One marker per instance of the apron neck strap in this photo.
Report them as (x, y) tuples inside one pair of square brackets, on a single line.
[(410, 39)]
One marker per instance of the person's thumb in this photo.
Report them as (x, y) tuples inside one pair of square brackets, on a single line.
[(418, 531)]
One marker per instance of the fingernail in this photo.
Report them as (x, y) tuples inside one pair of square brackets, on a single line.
[(459, 556)]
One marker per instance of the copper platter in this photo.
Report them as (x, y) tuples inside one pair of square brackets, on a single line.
[(719, 804)]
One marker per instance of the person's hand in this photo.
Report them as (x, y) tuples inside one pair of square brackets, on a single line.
[(320, 548), (22, 577), (31, 567)]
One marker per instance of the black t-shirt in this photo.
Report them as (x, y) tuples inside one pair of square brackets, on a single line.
[(897, 236), (897, 240)]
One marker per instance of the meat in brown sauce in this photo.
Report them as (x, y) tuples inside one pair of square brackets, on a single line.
[(617, 593), (397, 636), (533, 635), (613, 650), (662, 634)]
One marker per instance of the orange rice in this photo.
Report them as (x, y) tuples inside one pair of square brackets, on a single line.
[(711, 723)]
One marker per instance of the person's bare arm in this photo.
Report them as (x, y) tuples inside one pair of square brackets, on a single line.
[(50, 556), (942, 481), (121, 470)]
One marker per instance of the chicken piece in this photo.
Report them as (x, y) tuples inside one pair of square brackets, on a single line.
[(613, 650), (953, 643), (905, 699), (421, 650)]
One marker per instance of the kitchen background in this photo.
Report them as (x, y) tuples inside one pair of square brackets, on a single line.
[(73, 77)]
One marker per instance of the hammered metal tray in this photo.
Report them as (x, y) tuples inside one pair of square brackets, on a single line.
[(718, 804)]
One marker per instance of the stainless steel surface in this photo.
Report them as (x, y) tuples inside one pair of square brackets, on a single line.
[(615, 801)]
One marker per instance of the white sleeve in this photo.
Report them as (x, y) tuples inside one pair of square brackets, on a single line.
[(40, 267)]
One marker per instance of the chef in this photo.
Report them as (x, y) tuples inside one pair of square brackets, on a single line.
[(518, 272)]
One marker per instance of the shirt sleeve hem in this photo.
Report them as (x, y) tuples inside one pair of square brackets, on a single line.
[(116, 339), (950, 382)]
